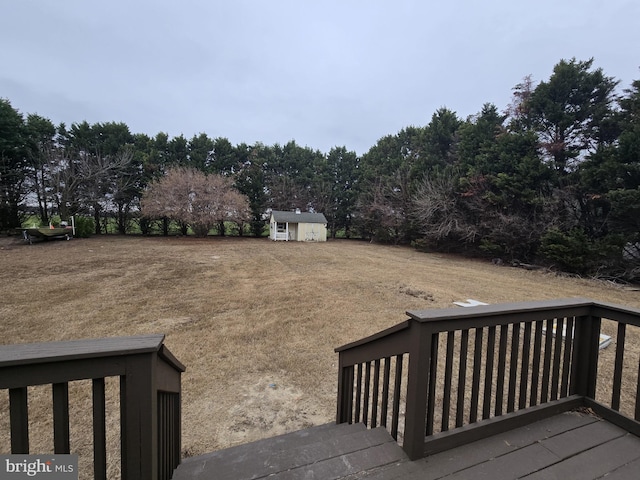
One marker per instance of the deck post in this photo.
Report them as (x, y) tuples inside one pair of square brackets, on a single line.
[(584, 371), (19, 420), (416, 406), (345, 393), (139, 418)]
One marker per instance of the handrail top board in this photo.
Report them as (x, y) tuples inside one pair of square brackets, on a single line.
[(493, 310), (32, 353), (513, 308), (393, 330)]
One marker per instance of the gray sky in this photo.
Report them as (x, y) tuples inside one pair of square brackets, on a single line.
[(323, 73)]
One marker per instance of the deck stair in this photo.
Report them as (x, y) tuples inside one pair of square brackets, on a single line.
[(323, 452)]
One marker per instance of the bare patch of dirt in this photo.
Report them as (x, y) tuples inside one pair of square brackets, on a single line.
[(267, 408), (416, 292)]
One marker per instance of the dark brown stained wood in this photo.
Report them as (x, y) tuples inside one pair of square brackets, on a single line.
[(524, 369), (566, 361), (450, 461), (448, 374), (30, 353), (124, 427), (488, 373), (365, 403), (279, 443), (19, 420), (170, 359), (535, 367), (557, 356), (60, 372), (397, 387), (349, 464), (574, 441), (376, 390), (619, 363), (348, 402), (597, 461), (384, 408), (545, 378), (511, 466), (60, 393), (416, 399), (139, 413), (513, 367), (564, 446), (475, 381), (145, 369), (344, 408), (546, 364), (502, 362), (324, 453), (358, 392), (593, 342), (513, 310), (168, 428), (557, 456), (628, 315), (163, 444), (433, 372), (399, 470), (462, 377), (613, 417), (177, 421), (579, 357), (495, 425), (99, 430), (168, 376), (625, 472), (392, 338)]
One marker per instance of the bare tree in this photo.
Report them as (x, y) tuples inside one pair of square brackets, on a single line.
[(439, 212), (101, 177), (194, 199)]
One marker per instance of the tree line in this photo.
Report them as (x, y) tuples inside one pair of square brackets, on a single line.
[(553, 178)]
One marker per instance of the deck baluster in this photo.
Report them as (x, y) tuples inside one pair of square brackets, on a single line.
[(524, 366), (462, 377), (60, 393), (619, 363), (513, 367), (488, 373), (544, 361)]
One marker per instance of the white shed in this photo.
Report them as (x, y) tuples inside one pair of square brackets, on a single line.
[(298, 226)]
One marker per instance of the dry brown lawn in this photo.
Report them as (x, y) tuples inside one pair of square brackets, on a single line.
[(254, 321)]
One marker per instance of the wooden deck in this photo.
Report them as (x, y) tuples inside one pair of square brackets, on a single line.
[(478, 392), (571, 445)]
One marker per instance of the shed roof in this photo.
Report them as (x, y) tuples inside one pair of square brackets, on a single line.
[(302, 217)]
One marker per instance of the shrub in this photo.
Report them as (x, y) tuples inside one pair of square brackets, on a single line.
[(571, 250), (85, 226), (575, 252)]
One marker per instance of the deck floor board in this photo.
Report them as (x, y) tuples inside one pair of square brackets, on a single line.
[(569, 445)]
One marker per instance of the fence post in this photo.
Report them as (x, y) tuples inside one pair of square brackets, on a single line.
[(416, 404)]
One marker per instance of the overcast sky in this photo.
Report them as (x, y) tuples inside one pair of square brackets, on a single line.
[(324, 73)]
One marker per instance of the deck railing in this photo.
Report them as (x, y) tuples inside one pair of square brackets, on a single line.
[(149, 392), (457, 375)]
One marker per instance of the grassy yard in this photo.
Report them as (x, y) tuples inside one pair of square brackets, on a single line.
[(254, 321)]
